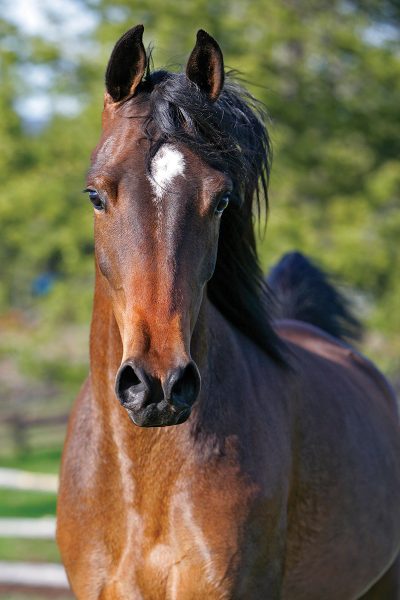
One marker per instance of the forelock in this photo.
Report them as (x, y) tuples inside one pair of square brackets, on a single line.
[(228, 134)]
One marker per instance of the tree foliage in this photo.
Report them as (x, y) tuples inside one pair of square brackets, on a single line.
[(329, 73)]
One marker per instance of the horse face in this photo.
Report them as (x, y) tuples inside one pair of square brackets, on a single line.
[(156, 235)]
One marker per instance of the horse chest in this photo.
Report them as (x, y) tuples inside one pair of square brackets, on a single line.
[(187, 552), (189, 544)]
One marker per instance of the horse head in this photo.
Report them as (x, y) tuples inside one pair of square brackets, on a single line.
[(158, 205)]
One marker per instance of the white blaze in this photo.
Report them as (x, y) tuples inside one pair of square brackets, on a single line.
[(167, 164)]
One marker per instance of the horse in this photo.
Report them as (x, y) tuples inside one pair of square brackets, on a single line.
[(216, 450)]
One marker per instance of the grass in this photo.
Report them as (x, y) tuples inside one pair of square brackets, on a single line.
[(19, 549), (38, 460), (16, 503)]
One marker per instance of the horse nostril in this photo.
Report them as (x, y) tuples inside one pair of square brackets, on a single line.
[(145, 398), (184, 385), (129, 385), (128, 378)]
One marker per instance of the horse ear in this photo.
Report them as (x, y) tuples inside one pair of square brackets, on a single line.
[(206, 65), (127, 65)]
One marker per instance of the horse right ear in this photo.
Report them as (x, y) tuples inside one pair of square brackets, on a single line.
[(126, 66), (205, 66)]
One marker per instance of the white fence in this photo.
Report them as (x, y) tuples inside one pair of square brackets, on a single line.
[(38, 529), (25, 480), (37, 575), (26, 574)]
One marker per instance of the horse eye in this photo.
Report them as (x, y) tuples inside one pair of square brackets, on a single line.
[(222, 204), (95, 199)]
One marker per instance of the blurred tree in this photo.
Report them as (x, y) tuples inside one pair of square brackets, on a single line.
[(329, 73)]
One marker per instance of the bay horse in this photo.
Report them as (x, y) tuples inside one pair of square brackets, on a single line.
[(213, 451)]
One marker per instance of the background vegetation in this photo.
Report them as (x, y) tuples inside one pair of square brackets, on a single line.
[(329, 73)]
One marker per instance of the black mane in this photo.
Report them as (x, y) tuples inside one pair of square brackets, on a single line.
[(230, 135)]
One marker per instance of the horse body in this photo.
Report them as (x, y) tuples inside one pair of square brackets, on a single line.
[(285, 480), (228, 505)]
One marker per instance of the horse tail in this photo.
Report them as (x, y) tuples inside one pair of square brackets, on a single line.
[(305, 293)]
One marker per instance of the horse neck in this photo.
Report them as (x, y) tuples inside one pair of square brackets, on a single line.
[(105, 342)]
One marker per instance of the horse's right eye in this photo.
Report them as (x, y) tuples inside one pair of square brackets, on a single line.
[(95, 199), (222, 204)]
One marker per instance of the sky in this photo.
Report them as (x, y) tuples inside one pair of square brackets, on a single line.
[(67, 22), (34, 16), (62, 21)]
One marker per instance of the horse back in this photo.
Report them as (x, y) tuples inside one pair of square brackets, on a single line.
[(319, 343)]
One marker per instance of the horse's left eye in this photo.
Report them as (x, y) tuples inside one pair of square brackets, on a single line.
[(95, 199), (222, 204)]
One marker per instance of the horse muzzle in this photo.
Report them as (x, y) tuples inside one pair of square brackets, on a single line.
[(151, 402)]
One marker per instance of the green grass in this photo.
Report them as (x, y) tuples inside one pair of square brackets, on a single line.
[(15, 503), (18, 503), (39, 460), (29, 550)]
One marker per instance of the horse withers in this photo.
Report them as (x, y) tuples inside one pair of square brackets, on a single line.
[(212, 452)]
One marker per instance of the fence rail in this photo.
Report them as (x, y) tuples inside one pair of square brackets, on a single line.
[(41, 575), (20, 426), (27, 575), (25, 480), (42, 528)]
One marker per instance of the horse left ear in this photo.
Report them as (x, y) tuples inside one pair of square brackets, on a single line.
[(126, 66), (205, 66)]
